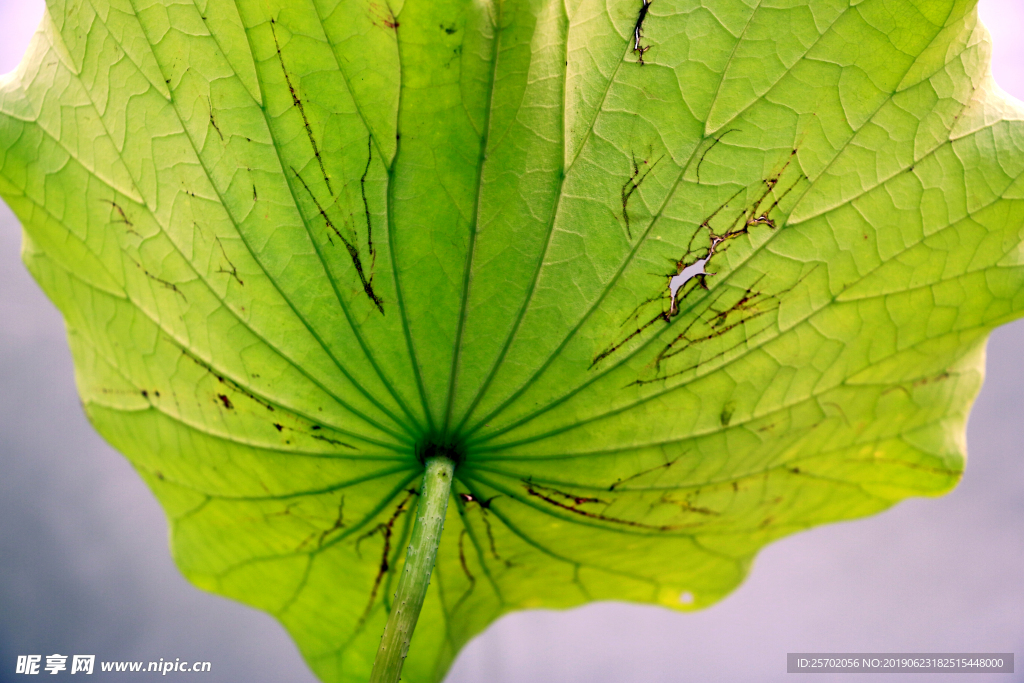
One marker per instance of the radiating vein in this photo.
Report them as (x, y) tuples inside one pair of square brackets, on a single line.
[(468, 268), (500, 358)]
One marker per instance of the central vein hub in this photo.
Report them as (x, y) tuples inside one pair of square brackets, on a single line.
[(431, 447)]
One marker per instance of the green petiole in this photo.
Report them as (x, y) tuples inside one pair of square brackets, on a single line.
[(419, 562)]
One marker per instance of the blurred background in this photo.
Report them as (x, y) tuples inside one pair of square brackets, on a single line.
[(84, 564)]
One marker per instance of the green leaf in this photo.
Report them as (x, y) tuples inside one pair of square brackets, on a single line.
[(670, 289)]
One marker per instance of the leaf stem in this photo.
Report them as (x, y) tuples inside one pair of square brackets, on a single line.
[(419, 562)]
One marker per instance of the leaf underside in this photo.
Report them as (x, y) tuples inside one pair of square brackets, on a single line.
[(674, 281)]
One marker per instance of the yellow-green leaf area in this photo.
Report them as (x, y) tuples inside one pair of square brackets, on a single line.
[(669, 280)]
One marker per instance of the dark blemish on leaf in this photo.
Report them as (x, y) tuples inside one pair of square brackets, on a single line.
[(569, 503), (638, 32), (686, 342), (466, 499), (280, 513), (631, 185), (754, 215), (727, 410), (716, 325), (794, 470), (470, 498), (353, 252), (334, 442), (120, 211), (231, 384), (663, 466), (916, 383), (213, 121), (226, 401), (386, 20), (456, 52), (159, 474), (686, 505), (711, 147), (128, 225), (700, 510), (305, 541), (319, 437), (233, 272), (693, 265), (745, 303), (696, 269), (684, 273), (840, 409), (145, 394), (928, 380), (448, 29), (465, 570), (462, 558), (338, 522), (164, 283), (366, 204), (638, 331), (302, 110), (255, 197), (490, 538), (385, 529), (576, 500)]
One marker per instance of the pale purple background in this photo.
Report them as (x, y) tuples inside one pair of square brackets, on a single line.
[(84, 566)]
